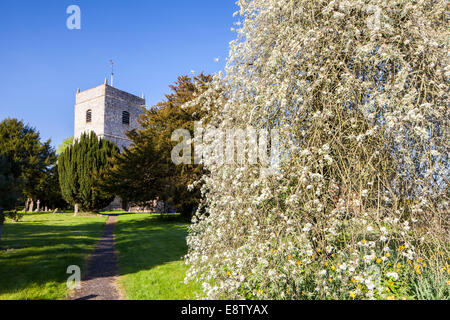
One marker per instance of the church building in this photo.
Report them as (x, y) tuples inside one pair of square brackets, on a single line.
[(110, 113)]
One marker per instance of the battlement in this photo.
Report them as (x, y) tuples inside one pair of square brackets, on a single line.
[(107, 90), (123, 96)]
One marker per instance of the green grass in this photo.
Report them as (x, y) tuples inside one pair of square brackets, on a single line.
[(35, 253), (115, 212), (150, 251)]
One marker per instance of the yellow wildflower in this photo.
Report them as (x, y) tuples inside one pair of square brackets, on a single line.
[(417, 268), (352, 295)]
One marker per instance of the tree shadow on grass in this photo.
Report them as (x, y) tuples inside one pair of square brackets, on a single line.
[(36, 255), (145, 243)]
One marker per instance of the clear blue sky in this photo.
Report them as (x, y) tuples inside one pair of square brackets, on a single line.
[(42, 63)]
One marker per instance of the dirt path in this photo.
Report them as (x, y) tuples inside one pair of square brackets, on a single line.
[(99, 280)]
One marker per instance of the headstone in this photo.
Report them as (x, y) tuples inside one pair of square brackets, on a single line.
[(76, 210), (38, 205), (54, 211)]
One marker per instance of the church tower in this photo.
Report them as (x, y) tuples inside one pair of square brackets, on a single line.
[(109, 112)]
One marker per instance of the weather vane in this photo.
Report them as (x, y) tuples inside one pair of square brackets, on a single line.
[(112, 72)]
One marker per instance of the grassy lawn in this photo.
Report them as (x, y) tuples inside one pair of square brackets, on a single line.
[(35, 253), (150, 252), (115, 212)]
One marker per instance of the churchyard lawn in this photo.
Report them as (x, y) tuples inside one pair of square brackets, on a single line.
[(35, 254)]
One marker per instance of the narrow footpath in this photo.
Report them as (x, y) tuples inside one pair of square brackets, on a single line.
[(99, 280)]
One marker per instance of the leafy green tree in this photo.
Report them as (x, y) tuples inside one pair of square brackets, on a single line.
[(146, 171), (81, 168), (31, 160), (8, 189), (64, 145), (50, 192), (135, 175)]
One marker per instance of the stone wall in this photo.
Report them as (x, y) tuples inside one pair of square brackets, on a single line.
[(107, 104), (155, 206), (92, 99), (117, 102)]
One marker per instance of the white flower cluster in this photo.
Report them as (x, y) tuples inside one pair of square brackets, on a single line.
[(360, 91)]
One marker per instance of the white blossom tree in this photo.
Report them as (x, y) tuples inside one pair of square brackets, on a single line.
[(358, 91)]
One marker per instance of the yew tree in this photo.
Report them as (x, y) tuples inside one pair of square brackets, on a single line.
[(81, 168)]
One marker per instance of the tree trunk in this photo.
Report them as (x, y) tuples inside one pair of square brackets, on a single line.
[(75, 210), (26, 206), (1, 229)]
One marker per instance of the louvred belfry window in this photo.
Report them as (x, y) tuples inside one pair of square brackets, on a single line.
[(88, 116), (125, 117)]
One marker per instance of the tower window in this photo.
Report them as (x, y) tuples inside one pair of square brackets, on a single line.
[(88, 116), (125, 117)]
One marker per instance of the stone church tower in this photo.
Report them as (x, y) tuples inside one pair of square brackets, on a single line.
[(109, 112)]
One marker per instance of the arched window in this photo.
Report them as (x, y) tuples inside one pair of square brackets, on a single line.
[(125, 117), (88, 116)]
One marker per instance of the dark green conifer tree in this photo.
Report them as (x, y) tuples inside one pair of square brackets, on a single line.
[(8, 189), (30, 159), (81, 168)]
